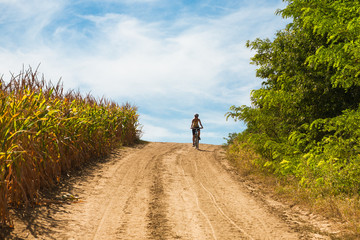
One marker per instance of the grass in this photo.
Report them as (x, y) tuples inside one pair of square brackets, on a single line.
[(340, 208)]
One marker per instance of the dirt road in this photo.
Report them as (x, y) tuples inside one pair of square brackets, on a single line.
[(158, 191)]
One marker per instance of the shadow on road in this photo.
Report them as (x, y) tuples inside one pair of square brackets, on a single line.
[(38, 220), (202, 150)]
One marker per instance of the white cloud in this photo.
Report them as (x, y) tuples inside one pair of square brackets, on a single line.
[(127, 1), (132, 53), (155, 133), (29, 15), (190, 64)]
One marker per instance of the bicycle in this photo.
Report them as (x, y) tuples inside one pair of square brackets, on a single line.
[(196, 137)]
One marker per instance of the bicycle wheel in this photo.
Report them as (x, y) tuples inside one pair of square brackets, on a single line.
[(197, 140)]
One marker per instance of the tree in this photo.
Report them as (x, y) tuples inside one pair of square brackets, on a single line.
[(308, 104)]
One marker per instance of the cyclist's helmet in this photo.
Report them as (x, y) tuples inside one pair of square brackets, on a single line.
[(196, 115)]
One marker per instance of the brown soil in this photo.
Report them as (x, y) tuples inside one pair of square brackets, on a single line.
[(164, 191)]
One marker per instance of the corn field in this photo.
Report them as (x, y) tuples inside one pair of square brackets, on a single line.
[(44, 132)]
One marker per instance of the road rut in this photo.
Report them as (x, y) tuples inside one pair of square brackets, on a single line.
[(157, 191)]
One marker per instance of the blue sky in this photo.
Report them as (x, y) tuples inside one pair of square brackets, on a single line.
[(170, 58)]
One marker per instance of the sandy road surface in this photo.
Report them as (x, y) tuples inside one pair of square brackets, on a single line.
[(158, 191)]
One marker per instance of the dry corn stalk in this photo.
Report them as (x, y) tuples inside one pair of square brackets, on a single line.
[(44, 132)]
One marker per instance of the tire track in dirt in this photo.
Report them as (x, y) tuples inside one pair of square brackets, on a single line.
[(218, 207), (197, 200), (158, 223), (110, 209), (224, 214), (159, 191), (223, 209), (110, 203)]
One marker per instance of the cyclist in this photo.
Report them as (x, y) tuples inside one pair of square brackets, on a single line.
[(196, 123)]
